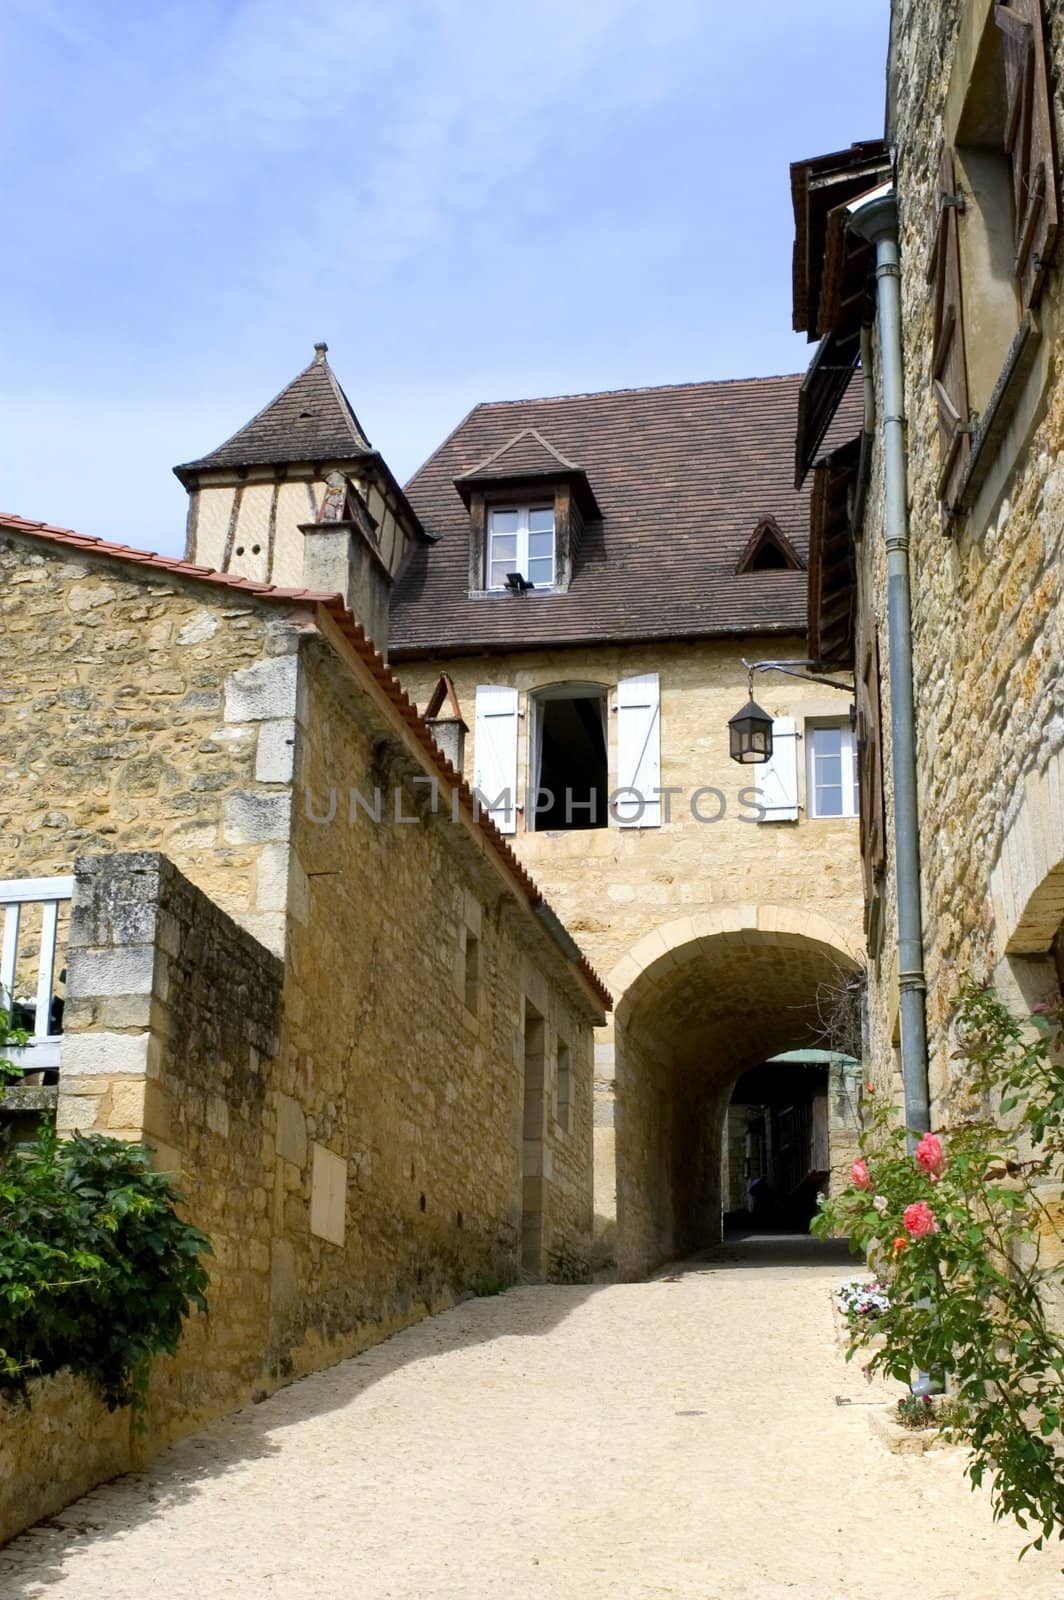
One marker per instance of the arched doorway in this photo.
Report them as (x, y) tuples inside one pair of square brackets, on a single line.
[(704, 1001)]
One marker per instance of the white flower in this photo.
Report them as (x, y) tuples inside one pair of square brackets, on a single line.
[(880, 1203)]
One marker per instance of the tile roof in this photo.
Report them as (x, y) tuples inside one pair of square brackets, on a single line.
[(527, 451), (310, 420), (683, 475), (370, 657)]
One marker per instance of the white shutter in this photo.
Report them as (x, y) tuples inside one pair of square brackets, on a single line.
[(495, 754), (638, 751), (777, 780)]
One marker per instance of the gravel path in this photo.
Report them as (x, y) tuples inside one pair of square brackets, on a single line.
[(673, 1438)]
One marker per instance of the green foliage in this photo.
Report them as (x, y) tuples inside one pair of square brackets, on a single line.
[(97, 1270), (10, 1039), (916, 1411), (961, 1230), (919, 1411)]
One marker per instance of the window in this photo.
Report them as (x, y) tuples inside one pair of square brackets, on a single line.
[(831, 776), (569, 782), (472, 972), (564, 1109), (521, 539), (769, 550), (995, 228)]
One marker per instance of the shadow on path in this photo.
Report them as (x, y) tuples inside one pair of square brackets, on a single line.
[(751, 1250), (180, 1472)]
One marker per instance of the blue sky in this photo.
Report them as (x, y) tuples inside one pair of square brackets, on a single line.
[(469, 201)]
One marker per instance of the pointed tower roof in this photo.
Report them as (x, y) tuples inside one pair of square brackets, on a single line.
[(310, 420)]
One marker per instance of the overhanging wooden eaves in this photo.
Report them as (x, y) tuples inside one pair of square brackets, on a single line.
[(832, 577), (821, 394), (820, 188)]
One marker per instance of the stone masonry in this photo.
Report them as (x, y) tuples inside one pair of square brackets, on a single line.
[(358, 1042), (687, 921), (987, 608)]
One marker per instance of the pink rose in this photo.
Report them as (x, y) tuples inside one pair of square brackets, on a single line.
[(860, 1175), (919, 1220), (930, 1155)]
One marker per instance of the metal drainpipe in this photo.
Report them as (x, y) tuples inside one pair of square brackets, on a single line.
[(876, 219)]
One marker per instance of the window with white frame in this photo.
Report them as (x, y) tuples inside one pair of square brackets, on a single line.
[(521, 539), (831, 770)]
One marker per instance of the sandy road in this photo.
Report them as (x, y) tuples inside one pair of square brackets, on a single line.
[(673, 1438)]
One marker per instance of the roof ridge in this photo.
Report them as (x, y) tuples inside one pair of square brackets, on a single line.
[(648, 388), (357, 430)]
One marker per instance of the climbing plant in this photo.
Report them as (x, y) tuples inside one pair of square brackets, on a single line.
[(97, 1269), (968, 1231)]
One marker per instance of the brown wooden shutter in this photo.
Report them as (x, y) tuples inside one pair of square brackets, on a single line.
[(1029, 143), (870, 769), (948, 373)]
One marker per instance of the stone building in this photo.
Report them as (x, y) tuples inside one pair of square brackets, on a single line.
[(597, 569), (252, 917), (970, 201), (264, 914)]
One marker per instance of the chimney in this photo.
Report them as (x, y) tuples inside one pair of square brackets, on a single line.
[(341, 555), (444, 720)]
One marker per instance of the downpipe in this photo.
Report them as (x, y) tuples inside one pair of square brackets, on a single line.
[(876, 219)]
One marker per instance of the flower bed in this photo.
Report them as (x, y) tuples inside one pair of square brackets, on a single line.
[(862, 1300)]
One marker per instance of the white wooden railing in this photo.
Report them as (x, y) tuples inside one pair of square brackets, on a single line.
[(42, 1051)]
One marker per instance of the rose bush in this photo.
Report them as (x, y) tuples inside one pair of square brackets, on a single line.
[(961, 1227)]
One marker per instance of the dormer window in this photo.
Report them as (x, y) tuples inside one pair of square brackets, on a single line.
[(527, 507), (768, 549), (521, 539)]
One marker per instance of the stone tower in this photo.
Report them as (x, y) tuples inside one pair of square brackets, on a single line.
[(298, 497)]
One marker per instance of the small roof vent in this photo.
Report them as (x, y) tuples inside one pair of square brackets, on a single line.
[(769, 550)]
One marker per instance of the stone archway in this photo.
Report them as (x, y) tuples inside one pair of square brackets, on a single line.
[(1027, 882), (700, 1001)]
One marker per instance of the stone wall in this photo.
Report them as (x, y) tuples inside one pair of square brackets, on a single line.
[(365, 1130), (611, 886), (388, 1060), (148, 712), (655, 892), (170, 1036), (56, 1449), (988, 639)]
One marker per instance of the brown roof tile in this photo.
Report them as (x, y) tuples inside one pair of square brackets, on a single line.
[(310, 420), (527, 451), (683, 475)]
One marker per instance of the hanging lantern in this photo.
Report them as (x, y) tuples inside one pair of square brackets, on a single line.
[(750, 734)]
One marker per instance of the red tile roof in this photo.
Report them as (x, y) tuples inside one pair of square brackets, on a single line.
[(363, 648), (682, 474), (148, 558)]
